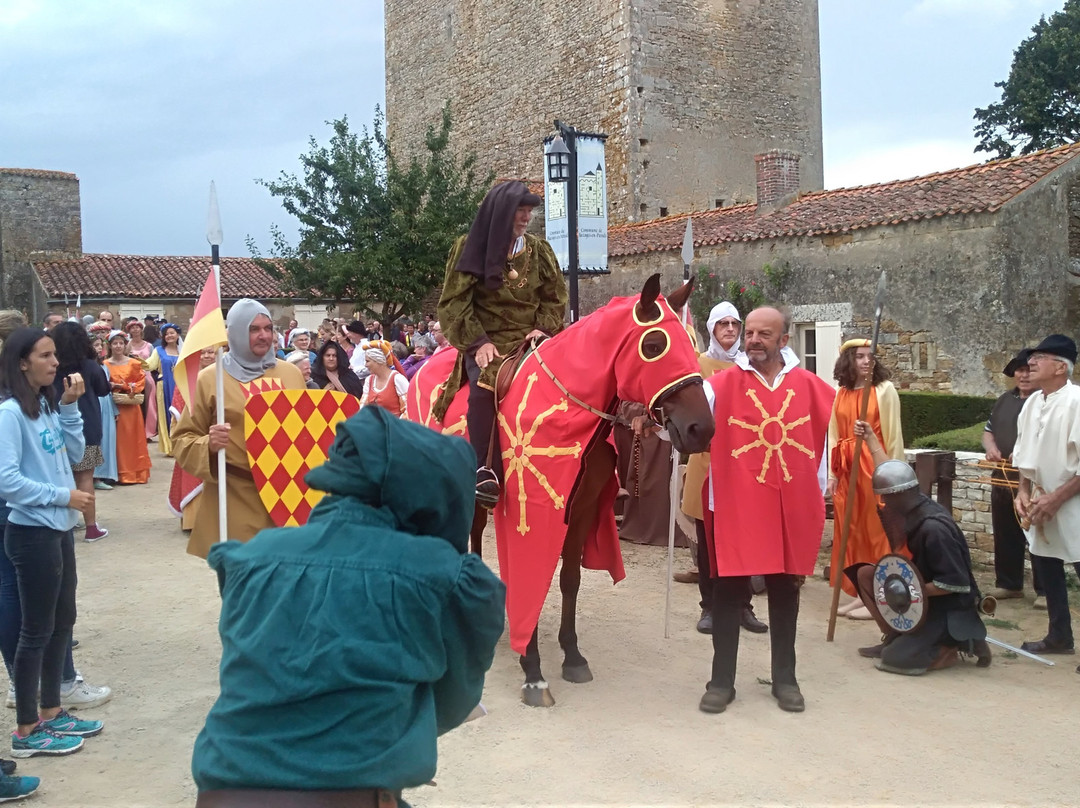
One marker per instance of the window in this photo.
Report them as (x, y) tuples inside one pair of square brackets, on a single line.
[(663, 212), (817, 345)]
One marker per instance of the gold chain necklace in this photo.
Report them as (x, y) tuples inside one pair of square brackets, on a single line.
[(513, 274)]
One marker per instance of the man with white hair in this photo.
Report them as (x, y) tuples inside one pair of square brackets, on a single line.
[(1047, 454), (250, 367)]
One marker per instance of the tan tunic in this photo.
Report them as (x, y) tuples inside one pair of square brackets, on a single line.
[(697, 466), (191, 437)]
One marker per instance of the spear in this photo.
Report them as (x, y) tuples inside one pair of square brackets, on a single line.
[(214, 236), (853, 476)]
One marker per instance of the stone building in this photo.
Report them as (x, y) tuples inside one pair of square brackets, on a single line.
[(688, 91), (981, 261)]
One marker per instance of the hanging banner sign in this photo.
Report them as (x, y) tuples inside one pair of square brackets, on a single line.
[(592, 208)]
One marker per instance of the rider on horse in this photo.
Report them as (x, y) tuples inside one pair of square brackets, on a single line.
[(502, 287)]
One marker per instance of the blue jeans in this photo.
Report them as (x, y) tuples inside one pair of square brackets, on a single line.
[(44, 562), (11, 618)]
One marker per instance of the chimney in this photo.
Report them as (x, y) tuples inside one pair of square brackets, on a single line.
[(777, 177)]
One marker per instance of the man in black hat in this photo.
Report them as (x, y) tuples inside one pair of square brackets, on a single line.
[(999, 437), (502, 287), (150, 329), (356, 333), (1047, 454)]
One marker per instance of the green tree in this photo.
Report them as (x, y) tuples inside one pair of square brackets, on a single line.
[(373, 230), (1040, 101)]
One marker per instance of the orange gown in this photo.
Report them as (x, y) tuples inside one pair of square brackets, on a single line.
[(132, 458), (867, 541)]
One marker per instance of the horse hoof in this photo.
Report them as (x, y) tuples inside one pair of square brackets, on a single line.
[(537, 695), (577, 674)]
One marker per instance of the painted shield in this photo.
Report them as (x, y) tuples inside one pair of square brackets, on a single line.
[(898, 593), (288, 433)]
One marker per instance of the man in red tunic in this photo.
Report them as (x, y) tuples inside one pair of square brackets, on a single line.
[(765, 506)]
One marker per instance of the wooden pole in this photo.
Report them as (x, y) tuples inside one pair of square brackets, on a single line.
[(849, 506)]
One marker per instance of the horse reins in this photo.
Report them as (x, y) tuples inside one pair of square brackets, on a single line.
[(607, 416)]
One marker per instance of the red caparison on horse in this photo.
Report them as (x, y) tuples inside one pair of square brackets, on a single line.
[(558, 463)]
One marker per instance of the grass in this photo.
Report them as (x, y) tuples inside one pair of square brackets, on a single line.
[(999, 623)]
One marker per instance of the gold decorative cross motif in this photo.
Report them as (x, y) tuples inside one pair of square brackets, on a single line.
[(771, 447), (521, 451)]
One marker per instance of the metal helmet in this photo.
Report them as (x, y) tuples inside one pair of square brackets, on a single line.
[(893, 476)]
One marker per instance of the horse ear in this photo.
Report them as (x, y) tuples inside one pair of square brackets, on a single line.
[(680, 296), (647, 308)]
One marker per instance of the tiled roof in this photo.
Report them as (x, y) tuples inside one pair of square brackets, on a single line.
[(982, 188), (535, 186), (152, 276), (37, 172)]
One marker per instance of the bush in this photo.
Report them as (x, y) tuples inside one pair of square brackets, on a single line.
[(923, 414), (966, 439)]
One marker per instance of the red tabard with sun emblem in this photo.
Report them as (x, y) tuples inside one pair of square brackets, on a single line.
[(766, 453), (288, 433)]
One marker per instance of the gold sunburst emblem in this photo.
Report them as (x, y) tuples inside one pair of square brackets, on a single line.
[(520, 452), (771, 446)]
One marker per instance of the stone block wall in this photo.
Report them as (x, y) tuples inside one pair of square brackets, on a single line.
[(688, 91)]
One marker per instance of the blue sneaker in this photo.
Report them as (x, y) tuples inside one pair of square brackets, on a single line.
[(43, 741), (17, 788), (66, 724)]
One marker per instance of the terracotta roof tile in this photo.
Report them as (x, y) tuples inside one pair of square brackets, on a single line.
[(37, 172), (152, 276), (535, 186), (982, 188)]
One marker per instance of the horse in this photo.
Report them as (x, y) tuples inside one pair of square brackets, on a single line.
[(557, 461)]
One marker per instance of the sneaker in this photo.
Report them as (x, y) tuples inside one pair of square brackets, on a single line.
[(80, 525), (95, 533), (42, 741), (17, 788), (64, 723), (81, 695), (101, 485), (1040, 603), (7, 766)]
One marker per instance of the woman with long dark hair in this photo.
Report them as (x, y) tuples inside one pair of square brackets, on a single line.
[(331, 371), (163, 361), (76, 354), (41, 437), (855, 368)]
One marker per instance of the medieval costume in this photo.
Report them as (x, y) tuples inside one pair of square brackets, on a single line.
[(866, 542), (940, 553), (245, 374), (184, 489), (129, 380), (350, 643), (765, 494), (497, 290), (162, 363), (1047, 453)]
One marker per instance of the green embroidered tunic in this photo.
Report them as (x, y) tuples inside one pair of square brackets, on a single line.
[(471, 314)]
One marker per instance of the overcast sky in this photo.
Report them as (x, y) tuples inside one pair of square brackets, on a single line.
[(148, 101)]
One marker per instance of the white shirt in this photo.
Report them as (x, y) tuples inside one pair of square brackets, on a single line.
[(1047, 453)]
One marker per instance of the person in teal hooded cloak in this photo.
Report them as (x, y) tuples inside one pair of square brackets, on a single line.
[(350, 643)]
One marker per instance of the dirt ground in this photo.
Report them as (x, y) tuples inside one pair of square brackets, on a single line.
[(634, 736)]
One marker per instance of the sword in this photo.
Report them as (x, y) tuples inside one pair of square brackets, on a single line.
[(1020, 651)]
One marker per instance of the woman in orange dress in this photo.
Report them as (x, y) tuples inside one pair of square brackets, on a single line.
[(867, 542), (128, 380)]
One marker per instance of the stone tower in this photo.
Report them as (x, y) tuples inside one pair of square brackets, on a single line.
[(688, 91)]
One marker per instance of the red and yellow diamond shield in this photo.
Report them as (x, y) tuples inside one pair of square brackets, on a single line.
[(288, 433)]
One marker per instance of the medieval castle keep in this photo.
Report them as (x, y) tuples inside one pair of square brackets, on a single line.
[(688, 91)]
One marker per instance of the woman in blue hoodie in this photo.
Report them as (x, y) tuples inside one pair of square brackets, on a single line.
[(40, 438)]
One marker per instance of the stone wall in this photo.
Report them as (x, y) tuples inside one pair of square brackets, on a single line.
[(40, 215), (687, 90)]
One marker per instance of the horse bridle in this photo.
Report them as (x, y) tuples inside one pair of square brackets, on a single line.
[(656, 412)]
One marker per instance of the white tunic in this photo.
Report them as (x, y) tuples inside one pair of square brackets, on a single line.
[(1047, 453)]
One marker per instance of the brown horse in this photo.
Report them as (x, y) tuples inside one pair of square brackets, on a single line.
[(558, 464)]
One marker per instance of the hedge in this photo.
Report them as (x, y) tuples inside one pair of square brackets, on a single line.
[(923, 414), (966, 439)]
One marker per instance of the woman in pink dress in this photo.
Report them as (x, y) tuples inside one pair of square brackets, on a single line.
[(141, 350)]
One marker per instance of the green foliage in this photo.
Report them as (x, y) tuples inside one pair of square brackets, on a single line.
[(745, 295), (1040, 101), (373, 230), (995, 622), (965, 439), (923, 414)]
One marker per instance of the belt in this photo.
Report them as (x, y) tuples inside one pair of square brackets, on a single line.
[(238, 471), (285, 798)]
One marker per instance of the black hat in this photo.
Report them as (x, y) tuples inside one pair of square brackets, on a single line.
[(150, 317), (357, 327), (1057, 345), (1017, 362)]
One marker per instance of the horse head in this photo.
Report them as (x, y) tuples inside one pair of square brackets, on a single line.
[(657, 366)]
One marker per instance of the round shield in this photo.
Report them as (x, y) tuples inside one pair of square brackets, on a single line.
[(898, 593)]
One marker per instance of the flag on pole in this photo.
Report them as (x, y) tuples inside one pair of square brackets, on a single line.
[(207, 330)]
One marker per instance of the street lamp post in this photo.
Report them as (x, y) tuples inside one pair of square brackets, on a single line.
[(562, 167)]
